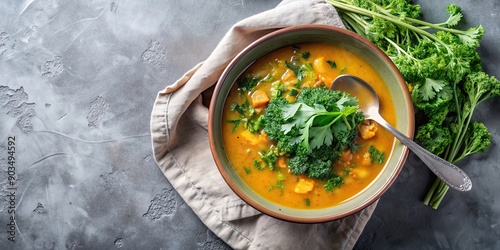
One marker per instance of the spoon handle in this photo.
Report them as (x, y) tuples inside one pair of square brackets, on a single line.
[(450, 174)]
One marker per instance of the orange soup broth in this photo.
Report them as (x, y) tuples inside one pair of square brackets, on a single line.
[(243, 147)]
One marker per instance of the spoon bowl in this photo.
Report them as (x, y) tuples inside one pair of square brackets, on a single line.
[(369, 104)]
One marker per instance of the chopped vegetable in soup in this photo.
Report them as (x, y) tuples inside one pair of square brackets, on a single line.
[(295, 141)]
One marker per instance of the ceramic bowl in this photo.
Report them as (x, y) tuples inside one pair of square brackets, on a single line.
[(301, 34)]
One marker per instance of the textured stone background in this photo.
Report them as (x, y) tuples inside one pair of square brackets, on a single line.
[(77, 84)]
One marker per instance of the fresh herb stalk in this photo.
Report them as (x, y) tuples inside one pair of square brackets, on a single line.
[(442, 69)]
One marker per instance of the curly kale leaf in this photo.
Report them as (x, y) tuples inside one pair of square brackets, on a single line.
[(434, 137)]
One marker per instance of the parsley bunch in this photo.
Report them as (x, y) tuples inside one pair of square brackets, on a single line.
[(316, 126), (314, 130), (442, 69)]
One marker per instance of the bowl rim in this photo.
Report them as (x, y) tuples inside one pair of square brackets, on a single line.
[(297, 28)]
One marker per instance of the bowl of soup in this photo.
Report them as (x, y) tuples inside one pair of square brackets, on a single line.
[(285, 143)]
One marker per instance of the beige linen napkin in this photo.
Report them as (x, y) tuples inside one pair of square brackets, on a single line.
[(181, 148)]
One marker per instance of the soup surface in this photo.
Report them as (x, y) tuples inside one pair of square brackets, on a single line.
[(273, 76)]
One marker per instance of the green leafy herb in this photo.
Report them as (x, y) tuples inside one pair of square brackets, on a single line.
[(278, 184), (301, 70), (249, 119), (289, 124), (342, 70), (332, 64), (247, 170), (443, 68), (277, 89), (335, 181), (268, 78), (316, 124), (292, 67), (394, 26), (306, 55), (236, 123), (258, 166), (347, 171), (308, 202), (236, 107), (430, 88), (256, 125), (247, 83), (269, 158), (376, 155)]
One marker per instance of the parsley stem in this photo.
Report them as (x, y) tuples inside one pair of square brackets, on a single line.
[(344, 6)]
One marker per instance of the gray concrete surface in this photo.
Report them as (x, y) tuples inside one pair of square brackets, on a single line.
[(77, 83)]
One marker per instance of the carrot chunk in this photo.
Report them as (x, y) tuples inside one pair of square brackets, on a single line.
[(259, 98)]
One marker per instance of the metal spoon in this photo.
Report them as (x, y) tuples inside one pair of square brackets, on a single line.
[(369, 104)]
